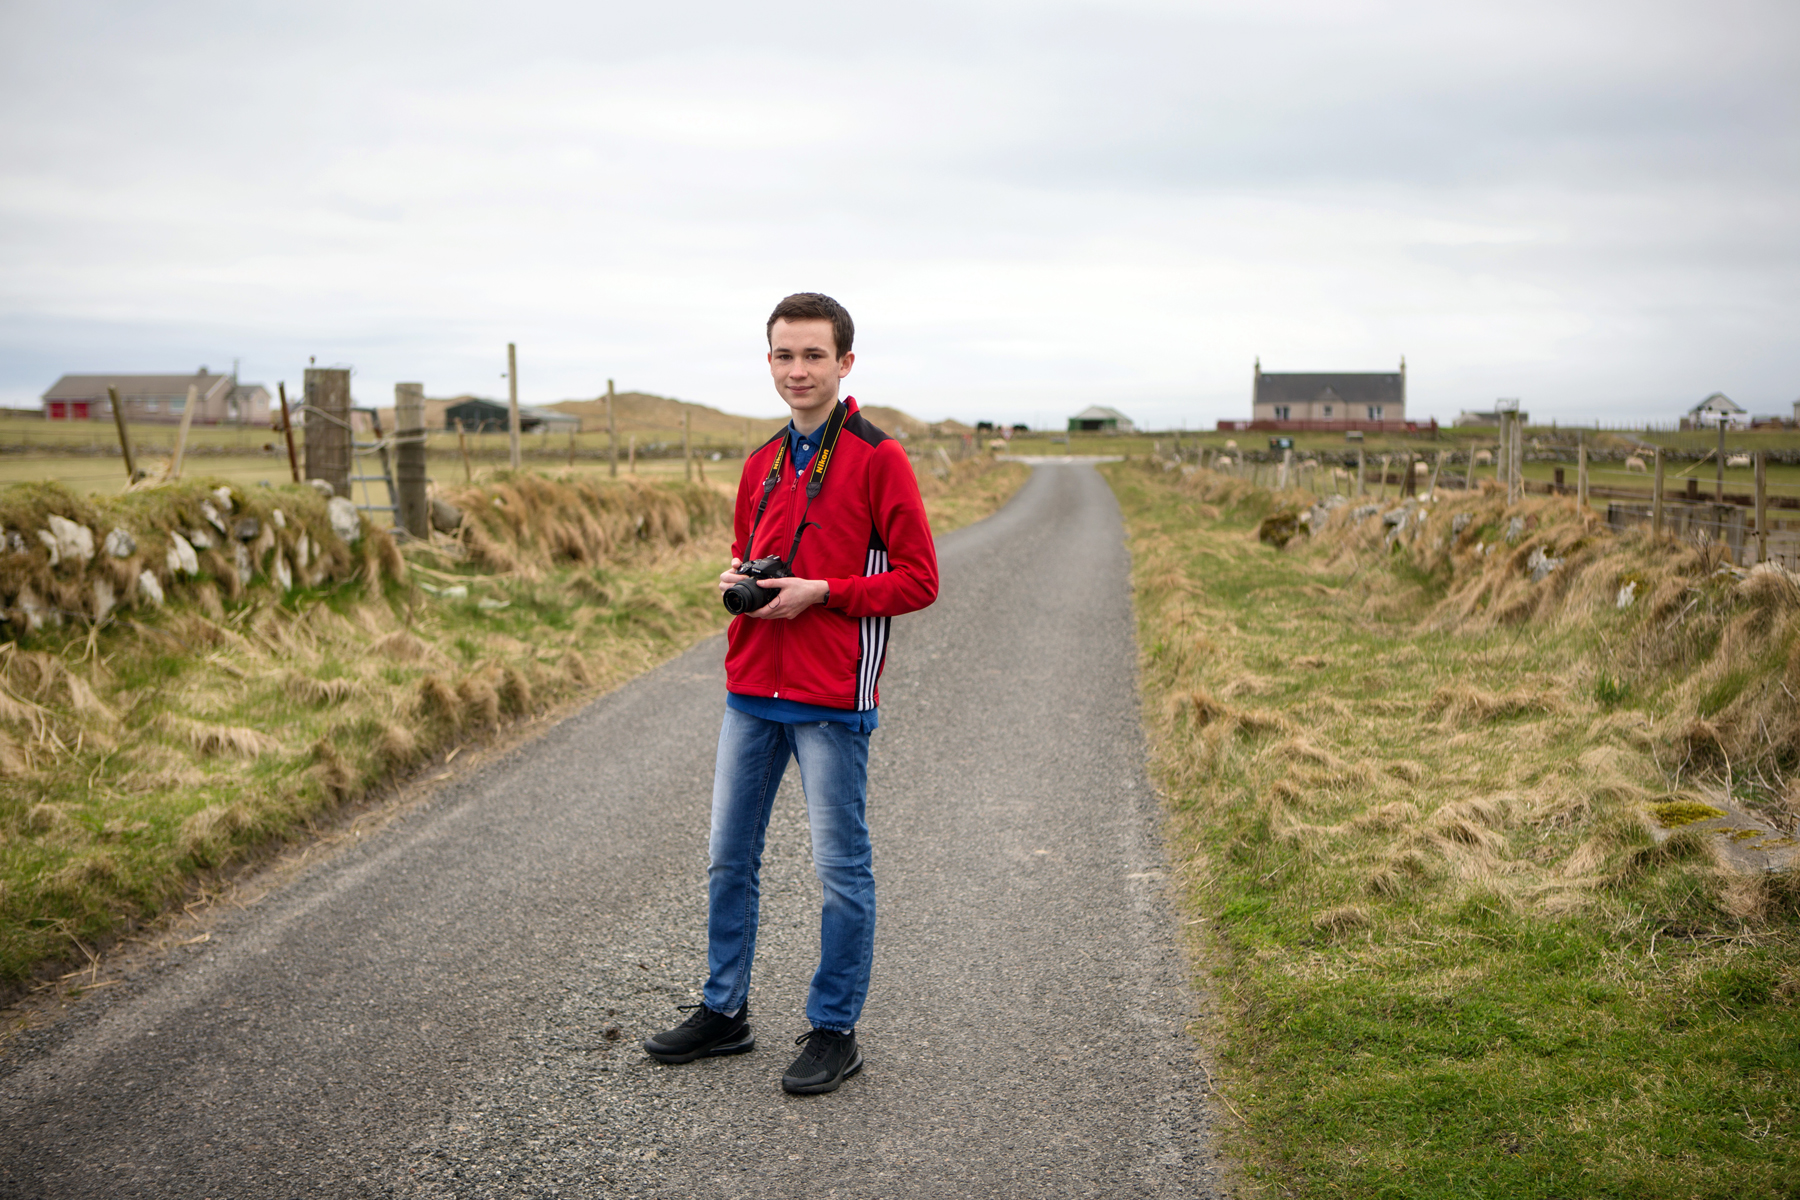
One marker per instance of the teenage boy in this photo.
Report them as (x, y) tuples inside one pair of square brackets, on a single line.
[(837, 500)]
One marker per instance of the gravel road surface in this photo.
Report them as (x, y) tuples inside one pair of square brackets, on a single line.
[(452, 1007)]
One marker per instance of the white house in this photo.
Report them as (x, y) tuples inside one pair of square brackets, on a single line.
[(1717, 409)]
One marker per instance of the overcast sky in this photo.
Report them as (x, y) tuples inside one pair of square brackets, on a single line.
[(1028, 207)]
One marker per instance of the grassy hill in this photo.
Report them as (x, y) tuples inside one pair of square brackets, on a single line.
[(643, 413)]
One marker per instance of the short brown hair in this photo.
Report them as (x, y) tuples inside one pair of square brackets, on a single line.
[(815, 306)]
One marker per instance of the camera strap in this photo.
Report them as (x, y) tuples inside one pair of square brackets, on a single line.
[(815, 479)]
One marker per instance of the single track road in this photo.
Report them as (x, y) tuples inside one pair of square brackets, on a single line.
[(452, 1008)]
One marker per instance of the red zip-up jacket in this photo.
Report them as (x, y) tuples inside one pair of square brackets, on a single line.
[(868, 540)]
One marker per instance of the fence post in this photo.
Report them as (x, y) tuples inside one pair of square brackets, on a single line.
[(687, 442), (1361, 486), (409, 446), (187, 419), (1436, 470), (118, 407), (328, 427), (462, 443), (287, 431), (1719, 466), (1287, 468), (1656, 497), (512, 404), (1581, 475), (631, 447), (612, 434), (746, 439), (1762, 518)]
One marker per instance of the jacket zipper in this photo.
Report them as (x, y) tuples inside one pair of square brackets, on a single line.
[(781, 630)]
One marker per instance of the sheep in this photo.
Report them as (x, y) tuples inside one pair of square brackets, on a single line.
[(1224, 460), (1738, 460), (1419, 468), (1634, 463), (1484, 458), (1230, 444), (1339, 475)]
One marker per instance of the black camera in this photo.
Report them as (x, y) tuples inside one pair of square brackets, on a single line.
[(747, 596)]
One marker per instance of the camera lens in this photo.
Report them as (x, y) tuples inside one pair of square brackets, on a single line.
[(744, 596)]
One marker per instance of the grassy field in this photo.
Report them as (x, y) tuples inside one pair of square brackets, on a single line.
[(1413, 793), (141, 753)]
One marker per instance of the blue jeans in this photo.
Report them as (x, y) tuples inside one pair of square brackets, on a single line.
[(834, 768)]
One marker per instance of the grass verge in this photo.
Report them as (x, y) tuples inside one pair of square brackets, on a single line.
[(1414, 793), (159, 723)]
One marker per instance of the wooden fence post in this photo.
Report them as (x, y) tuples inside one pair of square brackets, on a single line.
[(462, 443), (1436, 470), (612, 434), (118, 407), (1581, 475), (187, 419), (512, 404), (687, 443), (1762, 512), (1656, 497), (1361, 485), (631, 446), (287, 431)]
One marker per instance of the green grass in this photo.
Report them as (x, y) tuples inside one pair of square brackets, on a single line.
[(1450, 960)]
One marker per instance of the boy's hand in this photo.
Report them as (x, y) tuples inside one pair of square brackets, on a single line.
[(797, 595), (727, 578)]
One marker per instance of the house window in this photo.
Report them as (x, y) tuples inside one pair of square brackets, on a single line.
[(1281, 412), (1328, 412), (153, 404), (1374, 412)]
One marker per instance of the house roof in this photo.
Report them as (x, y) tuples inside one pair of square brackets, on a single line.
[(1383, 387), (93, 387), (1718, 402), (1099, 412)]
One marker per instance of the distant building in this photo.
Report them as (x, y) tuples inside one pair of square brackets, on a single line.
[(1716, 409), (475, 415), (1097, 418), (158, 398), (1334, 401), (1491, 420)]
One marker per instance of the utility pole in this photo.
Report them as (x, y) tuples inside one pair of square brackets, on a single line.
[(512, 390), (612, 434)]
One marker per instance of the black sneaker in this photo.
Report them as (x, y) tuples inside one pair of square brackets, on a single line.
[(828, 1059), (705, 1034)]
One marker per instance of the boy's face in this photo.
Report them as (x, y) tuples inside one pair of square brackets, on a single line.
[(803, 360)]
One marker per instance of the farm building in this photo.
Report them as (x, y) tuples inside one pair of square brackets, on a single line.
[(1097, 418), (1338, 400), (158, 398), (475, 415)]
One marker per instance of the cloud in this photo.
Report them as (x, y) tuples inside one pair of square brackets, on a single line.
[(1028, 207)]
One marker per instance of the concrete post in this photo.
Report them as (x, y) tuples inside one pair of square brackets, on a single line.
[(512, 396), (612, 434), (409, 419), (327, 427), (1656, 497)]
